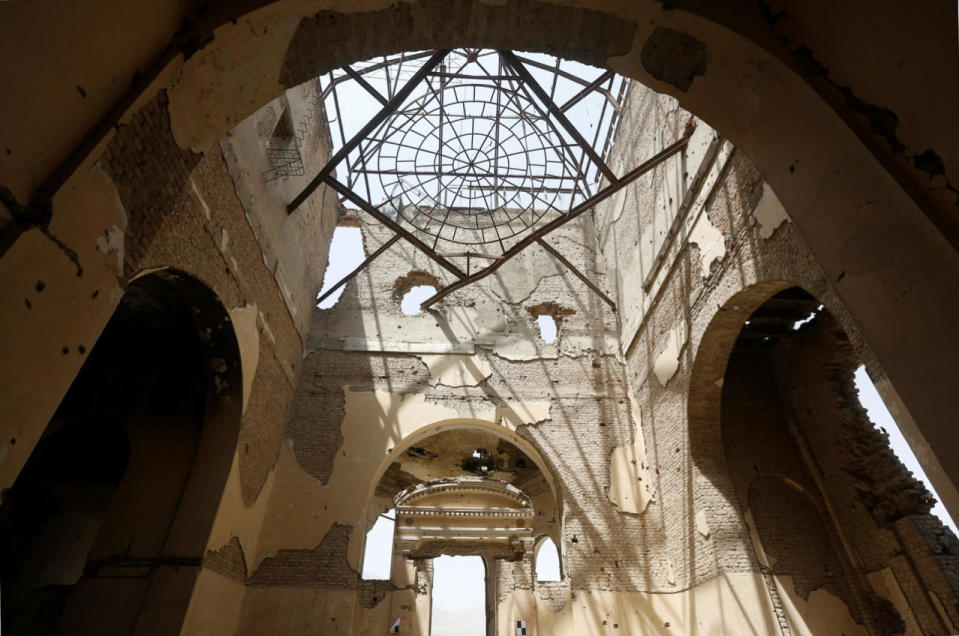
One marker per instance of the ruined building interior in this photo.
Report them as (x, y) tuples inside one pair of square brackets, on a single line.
[(629, 317)]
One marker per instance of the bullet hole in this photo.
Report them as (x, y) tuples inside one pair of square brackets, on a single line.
[(666, 624), (9, 151), (81, 349), (842, 275), (80, 90), (246, 448), (96, 292), (792, 168), (574, 539), (65, 350), (40, 285), (27, 301), (13, 441)]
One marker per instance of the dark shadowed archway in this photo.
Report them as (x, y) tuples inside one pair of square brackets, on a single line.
[(105, 528)]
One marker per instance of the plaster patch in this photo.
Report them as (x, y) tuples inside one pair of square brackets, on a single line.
[(769, 213), (711, 242), (885, 584), (629, 480), (725, 604), (701, 524), (199, 198), (112, 243), (821, 613), (764, 559), (456, 370), (667, 361), (226, 81), (519, 348), (516, 413), (244, 321), (628, 491)]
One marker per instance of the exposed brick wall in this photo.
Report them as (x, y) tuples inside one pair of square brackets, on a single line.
[(585, 35), (324, 566), (228, 560), (180, 206)]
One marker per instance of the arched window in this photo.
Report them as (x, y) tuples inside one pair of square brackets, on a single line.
[(378, 554), (547, 561)]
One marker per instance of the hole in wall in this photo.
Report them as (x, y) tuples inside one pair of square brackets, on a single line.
[(799, 323), (547, 561), (346, 253), (410, 305), (547, 328), (378, 552)]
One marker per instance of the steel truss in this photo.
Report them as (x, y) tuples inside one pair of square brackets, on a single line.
[(472, 155)]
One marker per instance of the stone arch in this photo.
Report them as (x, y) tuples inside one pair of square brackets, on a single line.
[(728, 63), (816, 140), (496, 430), (545, 542), (163, 385), (416, 438), (709, 367)]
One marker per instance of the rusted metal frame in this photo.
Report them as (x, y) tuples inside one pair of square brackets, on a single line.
[(366, 85), (379, 142), (578, 97), (599, 127), (554, 110), (573, 162), (614, 122), (364, 205), (562, 259), (371, 125), (369, 259), (386, 63), (579, 80), (389, 80), (586, 205)]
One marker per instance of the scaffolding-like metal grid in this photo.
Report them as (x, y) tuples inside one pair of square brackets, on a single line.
[(472, 155)]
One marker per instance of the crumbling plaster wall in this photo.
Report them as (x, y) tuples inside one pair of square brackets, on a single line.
[(709, 243), (374, 376), (295, 247), (146, 205), (713, 244), (777, 80)]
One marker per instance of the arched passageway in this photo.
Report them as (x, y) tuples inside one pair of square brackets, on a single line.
[(763, 81), (826, 502), (105, 528)]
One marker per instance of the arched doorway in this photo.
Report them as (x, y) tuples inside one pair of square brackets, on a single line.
[(104, 530), (827, 504)]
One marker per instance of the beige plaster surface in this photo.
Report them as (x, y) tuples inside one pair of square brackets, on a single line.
[(820, 613), (630, 484), (726, 604)]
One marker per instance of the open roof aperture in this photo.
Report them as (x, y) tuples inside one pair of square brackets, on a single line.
[(472, 155)]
